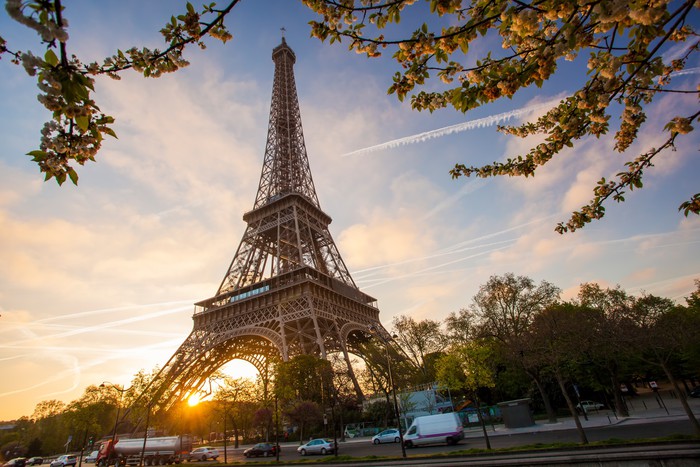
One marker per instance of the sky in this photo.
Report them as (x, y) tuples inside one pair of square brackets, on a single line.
[(98, 280)]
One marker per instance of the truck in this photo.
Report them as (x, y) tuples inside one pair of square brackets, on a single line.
[(159, 451), (432, 429)]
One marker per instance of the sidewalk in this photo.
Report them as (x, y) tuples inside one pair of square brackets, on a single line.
[(643, 409)]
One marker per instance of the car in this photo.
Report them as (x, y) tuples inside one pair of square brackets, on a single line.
[(587, 406), (64, 460), (203, 453), (695, 392), (316, 446), (16, 462), (390, 435), (34, 461), (261, 449), (92, 458)]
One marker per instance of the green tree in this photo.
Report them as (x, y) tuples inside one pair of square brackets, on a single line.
[(454, 63), (468, 367), (304, 377), (89, 416)]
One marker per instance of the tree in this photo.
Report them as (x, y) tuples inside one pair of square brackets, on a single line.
[(461, 326), (693, 301), (625, 43), (90, 416), (562, 334), (626, 67), (78, 126), (468, 367), (304, 414), (231, 398), (418, 340), (614, 344), (304, 377), (505, 307), (664, 333), (51, 425)]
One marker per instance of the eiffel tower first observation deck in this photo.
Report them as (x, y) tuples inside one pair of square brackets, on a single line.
[(287, 291)]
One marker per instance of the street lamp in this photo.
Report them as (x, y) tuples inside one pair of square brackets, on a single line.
[(145, 433), (119, 404), (374, 330)]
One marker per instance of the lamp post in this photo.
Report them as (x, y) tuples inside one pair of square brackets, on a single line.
[(121, 390), (145, 433), (385, 338)]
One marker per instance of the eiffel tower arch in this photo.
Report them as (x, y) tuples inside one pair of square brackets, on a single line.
[(287, 291)]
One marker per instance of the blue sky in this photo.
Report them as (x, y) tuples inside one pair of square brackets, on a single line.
[(99, 280)]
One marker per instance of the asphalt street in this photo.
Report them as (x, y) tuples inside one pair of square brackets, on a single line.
[(649, 418)]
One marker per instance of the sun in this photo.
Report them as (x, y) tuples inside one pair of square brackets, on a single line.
[(193, 400)]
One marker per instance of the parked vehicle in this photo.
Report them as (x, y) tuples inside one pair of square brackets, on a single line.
[(92, 457), (317, 446), (695, 392), (64, 460), (203, 453), (587, 406), (261, 449), (390, 435), (160, 450), (16, 462), (34, 461), (431, 429)]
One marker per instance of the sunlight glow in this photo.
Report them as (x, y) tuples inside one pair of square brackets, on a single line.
[(193, 400)]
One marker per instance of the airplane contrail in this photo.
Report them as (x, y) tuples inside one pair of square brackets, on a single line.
[(484, 122)]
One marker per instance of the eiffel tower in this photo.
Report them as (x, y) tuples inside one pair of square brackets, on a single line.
[(287, 291)]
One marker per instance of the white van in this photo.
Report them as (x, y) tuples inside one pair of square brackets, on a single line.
[(441, 428)]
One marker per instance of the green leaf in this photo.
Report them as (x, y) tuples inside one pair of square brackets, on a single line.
[(83, 122), (38, 155), (73, 175), (110, 132), (51, 57)]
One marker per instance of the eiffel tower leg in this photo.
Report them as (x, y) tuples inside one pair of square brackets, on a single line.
[(285, 349), (319, 337), (351, 373)]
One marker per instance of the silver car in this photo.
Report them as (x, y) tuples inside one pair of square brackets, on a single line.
[(64, 461), (390, 435), (316, 446), (204, 453)]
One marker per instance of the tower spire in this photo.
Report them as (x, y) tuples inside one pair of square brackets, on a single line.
[(286, 165)]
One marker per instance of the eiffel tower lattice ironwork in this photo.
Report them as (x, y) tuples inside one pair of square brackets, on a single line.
[(287, 291)]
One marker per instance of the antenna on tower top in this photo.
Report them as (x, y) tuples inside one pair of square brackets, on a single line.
[(283, 31)]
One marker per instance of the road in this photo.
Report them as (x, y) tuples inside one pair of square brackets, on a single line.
[(360, 448)]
